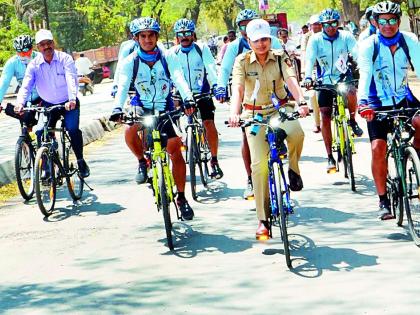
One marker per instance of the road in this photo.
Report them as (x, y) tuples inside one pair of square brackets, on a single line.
[(108, 254)]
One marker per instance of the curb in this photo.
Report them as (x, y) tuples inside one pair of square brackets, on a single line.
[(93, 131)]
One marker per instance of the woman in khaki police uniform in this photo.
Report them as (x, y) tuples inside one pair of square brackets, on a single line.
[(262, 64)]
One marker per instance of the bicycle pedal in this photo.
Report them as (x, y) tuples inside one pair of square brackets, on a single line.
[(332, 171), (250, 198), (262, 238)]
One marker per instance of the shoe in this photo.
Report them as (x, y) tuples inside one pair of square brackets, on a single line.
[(262, 233), (216, 170), (187, 212), (295, 181), (355, 127), (249, 191), (385, 211), (317, 129), (331, 165), (84, 170), (141, 176)]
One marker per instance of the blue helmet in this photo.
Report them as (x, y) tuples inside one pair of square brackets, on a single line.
[(144, 24), (184, 25), (246, 15), (329, 15)]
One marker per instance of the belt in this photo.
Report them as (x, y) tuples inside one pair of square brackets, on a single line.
[(264, 107)]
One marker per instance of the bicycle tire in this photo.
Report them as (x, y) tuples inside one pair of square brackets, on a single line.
[(348, 152), (164, 204), (74, 181), (393, 189), (411, 198), (46, 187), (282, 214), (191, 161), (202, 149), (24, 167)]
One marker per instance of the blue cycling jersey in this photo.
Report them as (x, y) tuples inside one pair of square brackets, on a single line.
[(384, 82), (328, 52), (14, 67), (231, 53), (151, 82), (198, 70)]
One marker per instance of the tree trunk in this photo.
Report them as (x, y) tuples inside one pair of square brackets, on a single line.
[(195, 11), (227, 18), (351, 11)]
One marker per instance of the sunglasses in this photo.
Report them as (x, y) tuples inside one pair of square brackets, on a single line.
[(24, 50), (184, 34), (330, 24), (242, 27), (24, 53), (391, 21)]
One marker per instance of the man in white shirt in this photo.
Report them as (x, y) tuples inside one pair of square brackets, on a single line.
[(83, 65)]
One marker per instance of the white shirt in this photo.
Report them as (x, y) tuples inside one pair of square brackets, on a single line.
[(83, 65)]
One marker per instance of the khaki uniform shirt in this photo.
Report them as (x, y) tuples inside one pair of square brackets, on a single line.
[(305, 40), (247, 69)]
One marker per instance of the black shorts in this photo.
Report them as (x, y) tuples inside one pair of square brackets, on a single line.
[(166, 127), (206, 108), (325, 98), (380, 129)]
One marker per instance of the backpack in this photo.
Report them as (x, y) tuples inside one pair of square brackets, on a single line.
[(401, 42)]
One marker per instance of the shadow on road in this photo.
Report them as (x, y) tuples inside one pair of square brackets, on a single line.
[(87, 204), (217, 191), (189, 243), (309, 260)]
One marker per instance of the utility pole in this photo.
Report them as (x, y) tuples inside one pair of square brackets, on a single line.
[(47, 19)]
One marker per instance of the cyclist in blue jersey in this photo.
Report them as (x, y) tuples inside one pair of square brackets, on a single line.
[(199, 69), (384, 61), (371, 29), (330, 48), (156, 72), (16, 67), (235, 48)]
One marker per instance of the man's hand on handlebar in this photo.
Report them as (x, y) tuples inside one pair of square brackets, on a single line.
[(366, 112)]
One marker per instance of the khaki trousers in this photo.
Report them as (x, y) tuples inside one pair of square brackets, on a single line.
[(259, 150), (313, 100)]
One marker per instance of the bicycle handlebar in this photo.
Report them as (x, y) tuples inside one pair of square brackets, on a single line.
[(266, 122)]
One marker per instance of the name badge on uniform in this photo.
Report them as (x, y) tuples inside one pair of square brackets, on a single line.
[(252, 74), (275, 101)]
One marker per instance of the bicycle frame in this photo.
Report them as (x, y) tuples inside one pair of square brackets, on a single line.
[(340, 116)]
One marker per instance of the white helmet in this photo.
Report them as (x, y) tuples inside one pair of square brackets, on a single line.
[(314, 19)]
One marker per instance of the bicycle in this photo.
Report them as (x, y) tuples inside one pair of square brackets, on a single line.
[(25, 151), (279, 192), (403, 178), (198, 152), (342, 134), (53, 167), (162, 181)]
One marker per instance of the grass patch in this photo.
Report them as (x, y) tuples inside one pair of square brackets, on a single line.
[(8, 191)]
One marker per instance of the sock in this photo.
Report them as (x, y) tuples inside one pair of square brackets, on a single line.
[(384, 199), (214, 159), (330, 156), (181, 195), (143, 160)]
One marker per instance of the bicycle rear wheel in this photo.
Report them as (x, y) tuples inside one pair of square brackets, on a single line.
[(282, 218), (394, 189), (348, 156), (411, 198), (24, 167), (192, 154), (45, 181), (202, 157), (164, 205), (75, 183)]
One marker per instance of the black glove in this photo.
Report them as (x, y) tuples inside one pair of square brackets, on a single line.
[(117, 114), (188, 103)]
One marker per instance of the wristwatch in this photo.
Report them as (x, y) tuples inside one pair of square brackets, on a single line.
[(303, 103)]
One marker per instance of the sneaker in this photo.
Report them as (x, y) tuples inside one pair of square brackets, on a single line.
[(355, 127), (216, 170), (84, 170), (384, 212), (249, 191), (295, 181), (187, 212), (317, 129), (141, 175), (331, 165)]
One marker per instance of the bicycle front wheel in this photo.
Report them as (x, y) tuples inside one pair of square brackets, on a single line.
[(45, 181), (202, 158), (394, 189), (164, 205), (24, 167), (282, 218), (412, 195), (192, 151), (348, 156), (75, 182)]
